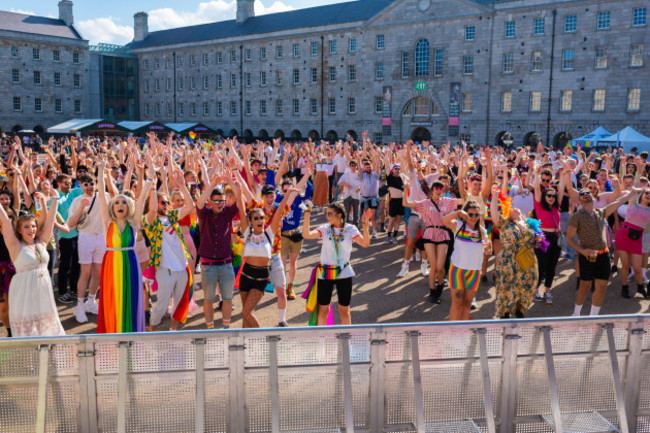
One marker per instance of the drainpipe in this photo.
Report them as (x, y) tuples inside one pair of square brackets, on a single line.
[(174, 60), (322, 86), (489, 94), (550, 81), (241, 90)]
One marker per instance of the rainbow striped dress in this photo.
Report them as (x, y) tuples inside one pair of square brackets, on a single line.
[(121, 303)]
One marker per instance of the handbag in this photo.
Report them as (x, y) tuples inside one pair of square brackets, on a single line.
[(294, 237), (559, 232), (525, 258), (383, 190), (634, 234)]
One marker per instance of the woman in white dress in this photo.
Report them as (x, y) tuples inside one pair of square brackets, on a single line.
[(32, 311)]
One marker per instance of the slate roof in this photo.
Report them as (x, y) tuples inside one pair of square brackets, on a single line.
[(16, 22), (340, 13)]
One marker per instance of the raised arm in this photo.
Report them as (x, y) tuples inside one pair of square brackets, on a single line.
[(144, 194), (12, 242), (48, 227), (611, 208), (536, 187), (277, 216), (494, 209), (101, 194)]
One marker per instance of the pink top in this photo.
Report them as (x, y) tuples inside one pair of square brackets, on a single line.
[(638, 215), (432, 217), (547, 217)]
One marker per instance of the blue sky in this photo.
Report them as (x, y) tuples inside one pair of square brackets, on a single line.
[(112, 21)]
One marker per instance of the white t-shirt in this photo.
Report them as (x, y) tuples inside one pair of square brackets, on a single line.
[(354, 181), (523, 199), (258, 245), (468, 248), (92, 222), (173, 257), (328, 252), (341, 163)]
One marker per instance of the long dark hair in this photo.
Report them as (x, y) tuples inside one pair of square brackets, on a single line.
[(545, 205), (339, 210)]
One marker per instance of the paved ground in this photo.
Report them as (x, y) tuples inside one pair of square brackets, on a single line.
[(380, 297)]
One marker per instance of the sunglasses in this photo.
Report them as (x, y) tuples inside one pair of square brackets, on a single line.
[(164, 202), (551, 195), (473, 215), (545, 180), (219, 201), (329, 213), (584, 193), (88, 184), (257, 218)]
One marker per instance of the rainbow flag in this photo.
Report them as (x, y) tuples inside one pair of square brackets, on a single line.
[(325, 272), (192, 135)]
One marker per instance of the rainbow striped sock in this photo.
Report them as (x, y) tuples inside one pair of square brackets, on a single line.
[(226, 324), (210, 325)]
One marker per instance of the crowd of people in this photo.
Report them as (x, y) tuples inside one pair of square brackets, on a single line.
[(123, 227)]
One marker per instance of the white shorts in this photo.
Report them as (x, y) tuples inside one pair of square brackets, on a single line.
[(276, 272), (91, 248)]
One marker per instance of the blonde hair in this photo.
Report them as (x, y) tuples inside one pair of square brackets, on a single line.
[(130, 204), (19, 222)]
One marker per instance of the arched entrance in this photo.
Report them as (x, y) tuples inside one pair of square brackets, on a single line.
[(264, 134), (248, 135), (39, 129), (219, 132), (561, 139), (314, 135), (421, 134), (331, 136), (296, 135), (352, 133), (504, 139), (531, 139), (419, 114), (17, 128), (278, 133), (233, 133)]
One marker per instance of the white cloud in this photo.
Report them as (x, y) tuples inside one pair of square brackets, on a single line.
[(105, 30), (22, 11)]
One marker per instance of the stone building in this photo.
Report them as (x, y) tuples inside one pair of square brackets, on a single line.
[(488, 71), (44, 70)]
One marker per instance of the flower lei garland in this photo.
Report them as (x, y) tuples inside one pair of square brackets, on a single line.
[(540, 237)]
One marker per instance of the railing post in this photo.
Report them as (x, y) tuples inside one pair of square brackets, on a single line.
[(509, 378), (236, 383), (417, 380), (347, 382), (43, 376), (487, 388), (616, 378), (87, 388), (123, 363), (273, 382), (633, 375), (552, 379), (377, 381), (199, 400)]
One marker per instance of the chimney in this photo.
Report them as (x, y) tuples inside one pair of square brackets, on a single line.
[(140, 26), (65, 12), (245, 10)]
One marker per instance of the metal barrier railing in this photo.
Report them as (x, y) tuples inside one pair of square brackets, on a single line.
[(560, 375)]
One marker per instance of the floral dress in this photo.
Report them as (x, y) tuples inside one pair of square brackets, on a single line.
[(514, 285)]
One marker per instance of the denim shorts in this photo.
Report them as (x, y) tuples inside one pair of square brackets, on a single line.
[(221, 274)]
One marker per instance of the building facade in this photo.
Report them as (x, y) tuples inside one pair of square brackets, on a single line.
[(44, 70)]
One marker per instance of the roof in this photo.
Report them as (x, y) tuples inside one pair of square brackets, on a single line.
[(15, 22), (78, 125), (189, 127), (339, 13)]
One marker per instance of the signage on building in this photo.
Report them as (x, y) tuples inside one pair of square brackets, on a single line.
[(454, 109), (386, 121), (421, 123), (156, 128), (200, 129), (387, 100), (454, 121), (420, 86), (106, 125)]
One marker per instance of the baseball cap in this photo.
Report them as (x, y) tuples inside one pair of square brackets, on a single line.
[(268, 189)]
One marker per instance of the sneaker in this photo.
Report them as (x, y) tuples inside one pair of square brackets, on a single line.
[(197, 270), (91, 307), (424, 269), (538, 297), (80, 313), (474, 305), (65, 298), (374, 234), (283, 324), (549, 299), (388, 240), (291, 295), (569, 257), (404, 270), (418, 256), (394, 240)]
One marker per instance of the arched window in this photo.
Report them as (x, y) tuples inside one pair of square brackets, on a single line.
[(422, 58), (421, 107)]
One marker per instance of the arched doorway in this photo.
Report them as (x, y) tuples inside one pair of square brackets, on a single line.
[(421, 134), (531, 139), (314, 135), (504, 139), (278, 134), (296, 135), (248, 135), (17, 128), (264, 134), (233, 133), (561, 139), (353, 134), (219, 132), (39, 129), (331, 136)]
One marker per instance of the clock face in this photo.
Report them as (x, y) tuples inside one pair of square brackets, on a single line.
[(424, 4)]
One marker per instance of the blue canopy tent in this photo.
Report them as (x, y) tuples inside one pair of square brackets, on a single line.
[(591, 139), (627, 138)]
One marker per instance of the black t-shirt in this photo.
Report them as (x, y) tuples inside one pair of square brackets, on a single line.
[(4, 252)]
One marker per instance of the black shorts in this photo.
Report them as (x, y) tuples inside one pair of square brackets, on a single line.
[(598, 270), (395, 207), (250, 278), (343, 291)]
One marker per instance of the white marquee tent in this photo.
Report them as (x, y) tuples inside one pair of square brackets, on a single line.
[(627, 138)]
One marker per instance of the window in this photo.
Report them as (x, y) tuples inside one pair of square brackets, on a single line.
[(570, 23), (180, 109), (247, 79), (601, 58), (566, 100), (406, 64), (75, 60), (169, 84), (422, 58), (219, 57), (206, 58), (233, 56), (247, 54), (37, 77), (146, 109), (352, 45), (77, 106), (296, 107), (36, 54), (296, 50), (468, 65), (15, 75), (352, 106), (380, 42), (206, 82), (278, 78), (640, 17), (262, 78), (314, 48), (145, 85), (296, 76), (219, 81), (192, 83), (313, 106), (510, 29), (233, 108), (192, 108), (636, 55), (169, 63), (420, 107), (263, 53), (145, 65), (76, 80), (206, 108), (331, 106), (18, 104), (57, 79), (169, 109), (56, 56), (538, 26), (470, 33), (378, 137), (58, 105), (233, 80), (506, 102), (352, 73), (331, 73), (508, 63), (247, 107), (567, 59), (535, 101), (379, 104), (278, 106), (192, 60), (278, 52), (437, 65), (157, 109), (314, 75), (180, 83), (38, 104), (536, 61), (333, 47), (467, 103), (14, 52), (179, 61), (379, 71), (156, 64), (219, 108), (634, 99), (263, 107), (603, 20), (599, 100)]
